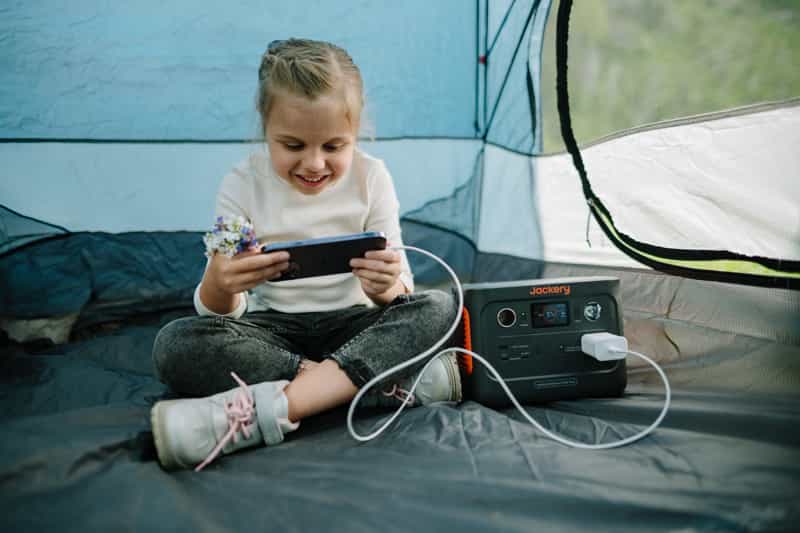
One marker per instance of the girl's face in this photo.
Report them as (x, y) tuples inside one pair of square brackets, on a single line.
[(310, 142)]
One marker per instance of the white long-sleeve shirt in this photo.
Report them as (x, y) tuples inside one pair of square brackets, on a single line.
[(363, 199)]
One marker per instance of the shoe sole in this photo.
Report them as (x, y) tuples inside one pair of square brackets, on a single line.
[(453, 374), (157, 422)]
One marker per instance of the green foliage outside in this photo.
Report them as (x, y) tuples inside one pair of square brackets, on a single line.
[(634, 62)]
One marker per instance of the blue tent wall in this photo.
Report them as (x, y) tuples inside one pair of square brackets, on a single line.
[(187, 70), (122, 117)]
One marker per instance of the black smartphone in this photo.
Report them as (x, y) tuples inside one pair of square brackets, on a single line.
[(326, 255)]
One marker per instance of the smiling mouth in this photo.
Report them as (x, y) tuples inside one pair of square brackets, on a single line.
[(311, 180)]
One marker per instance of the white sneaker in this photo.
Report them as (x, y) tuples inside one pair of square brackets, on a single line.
[(441, 382), (191, 433)]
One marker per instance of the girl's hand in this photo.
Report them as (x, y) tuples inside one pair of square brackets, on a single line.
[(226, 277), (378, 271), (244, 271)]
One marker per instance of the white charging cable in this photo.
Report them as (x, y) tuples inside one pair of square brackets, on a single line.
[(414, 360), (601, 346)]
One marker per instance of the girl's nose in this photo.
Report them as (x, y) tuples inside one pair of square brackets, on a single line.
[(314, 161)]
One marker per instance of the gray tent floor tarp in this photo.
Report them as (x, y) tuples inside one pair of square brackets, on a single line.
[(76, 453)]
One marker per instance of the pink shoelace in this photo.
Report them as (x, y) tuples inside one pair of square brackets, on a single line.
[(400, 394), (240, 412)]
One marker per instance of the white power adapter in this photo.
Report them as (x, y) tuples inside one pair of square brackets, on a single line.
[(604, 346)]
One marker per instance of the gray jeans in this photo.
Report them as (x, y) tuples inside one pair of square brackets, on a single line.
[(194, 356)]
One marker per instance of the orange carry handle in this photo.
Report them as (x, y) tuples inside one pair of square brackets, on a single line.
[(464, 360)]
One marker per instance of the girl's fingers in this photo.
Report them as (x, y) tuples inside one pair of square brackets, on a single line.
[(248, 280), (386, 256), (370, 287), (255, 260), (376, 277), (376, 266)]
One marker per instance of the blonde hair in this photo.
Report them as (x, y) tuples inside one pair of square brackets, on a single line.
[(309, 68)]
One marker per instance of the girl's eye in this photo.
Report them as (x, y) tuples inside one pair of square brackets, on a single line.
[(293, 147), (332, 147)]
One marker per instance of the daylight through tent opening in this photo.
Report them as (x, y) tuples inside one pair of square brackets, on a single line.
[(714, 265)]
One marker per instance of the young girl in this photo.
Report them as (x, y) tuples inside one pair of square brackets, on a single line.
[(304, 346)]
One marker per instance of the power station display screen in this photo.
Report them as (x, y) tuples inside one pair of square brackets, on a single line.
[(550, 314)]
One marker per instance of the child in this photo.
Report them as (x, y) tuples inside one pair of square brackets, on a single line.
[(306, 345)]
